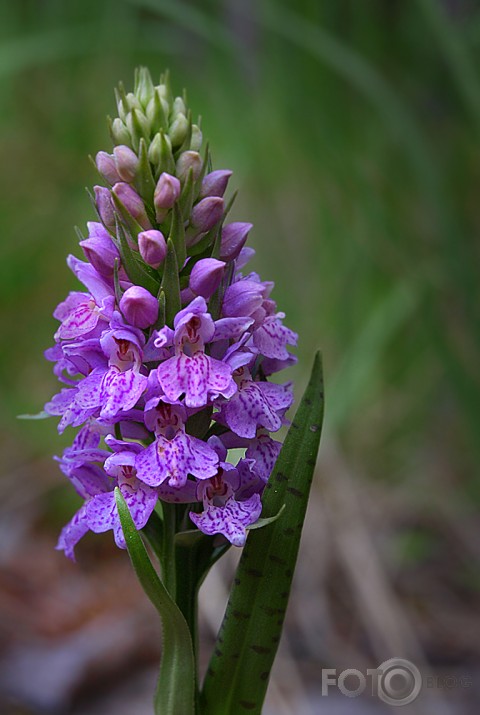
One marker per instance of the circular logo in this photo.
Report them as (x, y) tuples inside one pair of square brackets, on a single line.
[(399, 682)]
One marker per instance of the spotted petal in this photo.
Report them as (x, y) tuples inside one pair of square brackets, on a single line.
[(198, 376), (264, 450), (272, 337), (230, 519), (102, 513), (255, 404), (175, 459), (72, 533)]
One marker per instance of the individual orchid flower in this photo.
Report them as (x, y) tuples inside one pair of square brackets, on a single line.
[(191, 372), (174, 454), (255, 404), (118, 387)]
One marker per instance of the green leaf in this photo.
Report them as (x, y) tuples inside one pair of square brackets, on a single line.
[(161, 311), (139, 129), (186, 197), (171, 284), (134, 270), (237, 677), (144, 181), (260, 523), (116, 281), (166, 160), (132, 224), (202, 248), (177, 234), (175, 691)]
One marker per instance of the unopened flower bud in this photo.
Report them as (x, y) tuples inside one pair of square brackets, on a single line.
[(99, 249), (155, 150), (138, 125), (157, 111), (197, 137), (103, 202), (106, 166), (133, 102), (179, 106), (242, 298), (206, 213), (206, 276), (234, 236), (152, 247), (133, 203), (178, 130), (120, 133), (144, 86), (126, 162), (187, 295), (166, 193), (245, 255), (215, 183), (162, 91), (139, 307), (189, 160)]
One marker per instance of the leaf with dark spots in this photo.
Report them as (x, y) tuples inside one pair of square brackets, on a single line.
[(260, 586)]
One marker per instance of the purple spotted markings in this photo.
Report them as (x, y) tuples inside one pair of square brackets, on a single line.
[(178, 412)]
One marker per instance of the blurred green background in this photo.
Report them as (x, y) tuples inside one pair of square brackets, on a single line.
[(353, 132)]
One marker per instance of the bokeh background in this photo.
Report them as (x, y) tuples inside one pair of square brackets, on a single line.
[(353, 131)]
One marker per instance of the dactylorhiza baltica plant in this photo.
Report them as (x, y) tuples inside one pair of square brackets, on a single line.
[(166, 354)]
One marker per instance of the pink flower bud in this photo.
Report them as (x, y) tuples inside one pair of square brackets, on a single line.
[(215, 183), (206, 213), (152, 247), (106, 166), (126, 162), (103, 202), (166, 193), (139, 307), (189, 160), (234, 236), (133, 203), (206, 276), (245, 255), (99, 249), (242, 298), (186, 296)]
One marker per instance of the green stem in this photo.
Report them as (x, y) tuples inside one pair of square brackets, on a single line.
[(169, 571), (187, 596)]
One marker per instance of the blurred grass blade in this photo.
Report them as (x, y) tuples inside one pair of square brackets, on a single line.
[(455, 51), (362, 75), (176, 682), (355, 376), (191, 18), (237, 678), (32, 50)]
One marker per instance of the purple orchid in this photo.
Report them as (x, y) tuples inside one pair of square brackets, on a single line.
[(167, 360), (99, 512), (174, 454), (191, 372), (255, 404), (119, 387), (231, 499)]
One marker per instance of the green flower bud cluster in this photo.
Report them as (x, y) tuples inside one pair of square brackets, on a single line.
[(153, 114), (160, 188)]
